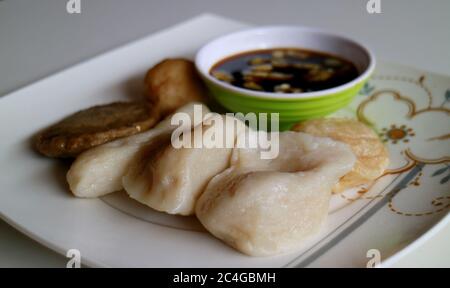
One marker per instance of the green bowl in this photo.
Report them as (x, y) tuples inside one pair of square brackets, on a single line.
[(295, 107)]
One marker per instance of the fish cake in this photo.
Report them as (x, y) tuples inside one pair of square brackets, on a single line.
[(372, 155), (171, 179), (94, 126), (173, 83), (265, 207), (99, 171)]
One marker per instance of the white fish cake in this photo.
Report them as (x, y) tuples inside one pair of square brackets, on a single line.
[(99, 171), (372, 155), (171, 179), (267, 207)]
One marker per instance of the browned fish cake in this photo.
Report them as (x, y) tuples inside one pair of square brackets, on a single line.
[(372, 156), (173, 83), (94, 126)]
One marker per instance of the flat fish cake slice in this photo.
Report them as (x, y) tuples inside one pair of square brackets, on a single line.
[(94, 126), (372, 155)]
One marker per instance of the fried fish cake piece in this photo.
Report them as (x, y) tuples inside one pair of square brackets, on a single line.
[(94, 126), (173, 83), (372, 155)]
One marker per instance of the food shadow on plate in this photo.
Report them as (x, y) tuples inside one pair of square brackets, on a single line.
[(133, 88), (121, 201), (58, 171), (54, 172)]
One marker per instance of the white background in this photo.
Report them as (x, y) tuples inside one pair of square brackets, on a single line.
[(38, 38)]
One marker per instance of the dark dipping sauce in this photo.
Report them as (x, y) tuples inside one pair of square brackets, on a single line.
[(284, 70)]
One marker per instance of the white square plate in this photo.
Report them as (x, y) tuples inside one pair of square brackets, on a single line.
[(409, 108)]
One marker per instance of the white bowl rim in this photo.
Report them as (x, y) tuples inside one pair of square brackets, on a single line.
[(274, 95)]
